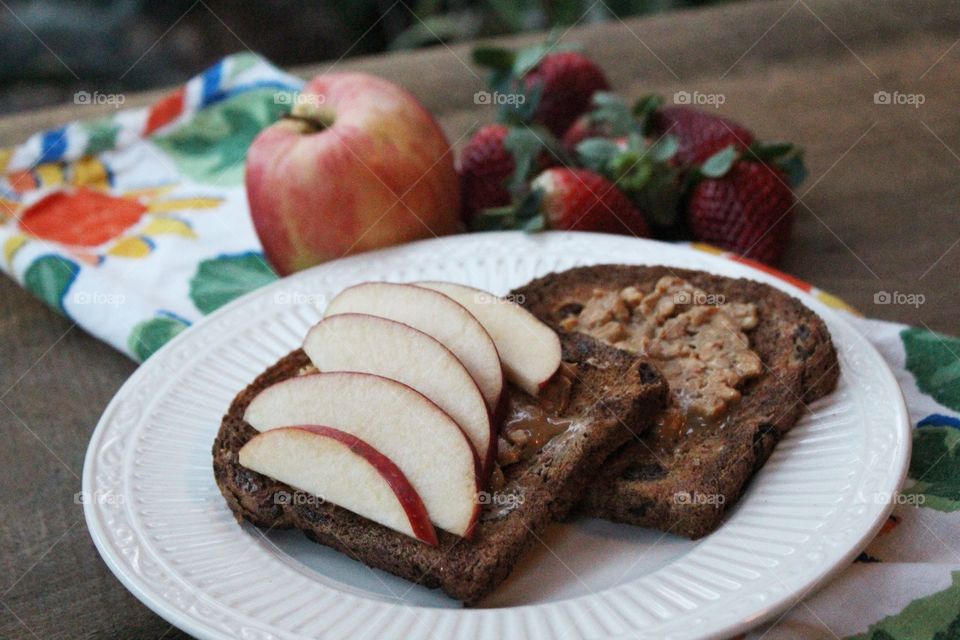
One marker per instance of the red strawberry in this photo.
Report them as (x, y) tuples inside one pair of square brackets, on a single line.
[(567, 81), (748, 210), (581, 200), (700, 134), (485, 168)]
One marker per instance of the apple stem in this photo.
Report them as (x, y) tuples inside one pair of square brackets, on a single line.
[(311, 123)]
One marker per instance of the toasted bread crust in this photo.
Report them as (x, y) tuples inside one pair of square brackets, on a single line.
[(614, 397), (678, 492)]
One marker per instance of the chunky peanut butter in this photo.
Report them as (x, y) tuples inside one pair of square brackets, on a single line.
[(697, 340)]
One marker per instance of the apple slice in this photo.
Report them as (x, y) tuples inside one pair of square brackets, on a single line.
[(426, 444), (530, 350), (436, 315), (371, 344), (343, 469)]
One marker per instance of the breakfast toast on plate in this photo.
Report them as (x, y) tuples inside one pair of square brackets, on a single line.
[(433, 430), (551, 448), (742, 360)]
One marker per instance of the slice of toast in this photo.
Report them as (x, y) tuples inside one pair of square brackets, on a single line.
[(686, 488), (610, 396)]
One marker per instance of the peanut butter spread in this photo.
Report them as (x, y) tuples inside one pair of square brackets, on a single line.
[(697, 341), (530, 423)]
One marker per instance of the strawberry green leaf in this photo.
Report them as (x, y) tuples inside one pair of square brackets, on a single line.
[(490, 222), (659, 200), (535, 224), (795, 169), (496, 58), (500, 212), (608, 99), (530, 206), (524, 144), (664, 148), (522, 111), (637, 142), (630, 171), (719, 163), (766, 152), (611, 110), (513, 216), (644, 108), (596, 153), (501, 81), (527, 59)]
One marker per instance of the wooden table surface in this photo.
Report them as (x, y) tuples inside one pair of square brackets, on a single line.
[(879, 213)]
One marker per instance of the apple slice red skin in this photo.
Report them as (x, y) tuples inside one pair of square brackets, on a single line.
[(485, 461), (407, 496), (477, 463), (480, 481)]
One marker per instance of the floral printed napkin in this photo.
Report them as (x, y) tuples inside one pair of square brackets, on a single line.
[(136, 225)]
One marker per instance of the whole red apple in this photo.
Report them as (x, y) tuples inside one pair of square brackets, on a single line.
[(358, 164)]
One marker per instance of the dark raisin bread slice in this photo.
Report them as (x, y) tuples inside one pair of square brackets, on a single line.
[(687, 491), (613, 396)]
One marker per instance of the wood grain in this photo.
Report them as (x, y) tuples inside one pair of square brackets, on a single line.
[(878, 213)]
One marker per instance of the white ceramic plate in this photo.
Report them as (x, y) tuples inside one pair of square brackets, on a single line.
[(161, 525)]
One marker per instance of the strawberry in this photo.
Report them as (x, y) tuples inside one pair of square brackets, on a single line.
[(747, 210), (581, 200), (485, 168), (497, 163), (566, 82), (556, 85), (700, 134)]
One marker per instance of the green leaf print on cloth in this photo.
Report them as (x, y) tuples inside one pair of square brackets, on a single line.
[(934, 361), (148, 336), (936, 617), (935, 463), (101, 136), (212, 147), (220, 280), (49, 278)]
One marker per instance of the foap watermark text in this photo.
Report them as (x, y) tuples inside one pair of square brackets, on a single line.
[(698, 98), (498, 98), (98, 298), (293, 99), (298, 499), (299, 297), (700, 298), (115, 100), (699, 498), (899, 298), (482, 297), (898, 98)]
